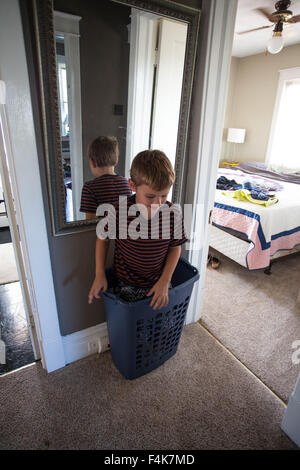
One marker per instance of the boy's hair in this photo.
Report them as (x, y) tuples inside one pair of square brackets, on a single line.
[(104, 151), (153, 168)]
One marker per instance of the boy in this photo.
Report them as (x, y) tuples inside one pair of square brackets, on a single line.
[(144, 265), (103, 153)]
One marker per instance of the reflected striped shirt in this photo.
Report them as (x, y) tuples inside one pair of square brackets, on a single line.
[(142, 244), (101, 190)]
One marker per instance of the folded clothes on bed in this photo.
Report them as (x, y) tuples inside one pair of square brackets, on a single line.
[(246, 195), (258, 191), (226, 184)]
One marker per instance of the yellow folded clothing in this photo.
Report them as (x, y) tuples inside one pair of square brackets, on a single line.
[(245, 195)]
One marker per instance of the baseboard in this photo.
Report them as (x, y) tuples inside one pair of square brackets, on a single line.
[(85, 342)]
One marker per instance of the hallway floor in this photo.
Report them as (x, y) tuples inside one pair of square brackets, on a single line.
[(14, 330)]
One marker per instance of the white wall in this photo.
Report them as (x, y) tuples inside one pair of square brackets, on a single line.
[(251, 100)]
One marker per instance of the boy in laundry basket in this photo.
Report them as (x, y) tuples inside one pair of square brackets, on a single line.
[(148, 232)]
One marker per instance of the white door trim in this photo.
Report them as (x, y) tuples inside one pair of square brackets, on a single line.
[(211, 83), (24, 162)]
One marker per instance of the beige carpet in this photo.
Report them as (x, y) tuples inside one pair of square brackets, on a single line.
[(202, 398), (8, 268), (257, 317)]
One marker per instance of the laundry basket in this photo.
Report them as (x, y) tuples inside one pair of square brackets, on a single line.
[(141, 339)]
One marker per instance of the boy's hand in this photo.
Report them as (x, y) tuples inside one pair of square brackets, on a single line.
[(160, 294), (99, 286)]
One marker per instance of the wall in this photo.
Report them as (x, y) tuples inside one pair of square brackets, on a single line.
[(72, 256), (251, 100), (229, 112)]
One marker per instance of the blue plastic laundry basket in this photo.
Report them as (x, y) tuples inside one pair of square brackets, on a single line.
[(141, 339)]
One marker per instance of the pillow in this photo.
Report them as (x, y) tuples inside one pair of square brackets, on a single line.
[(283, 168)]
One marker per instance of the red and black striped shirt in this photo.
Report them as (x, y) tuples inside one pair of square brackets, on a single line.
[(101, 190), (141, 248)]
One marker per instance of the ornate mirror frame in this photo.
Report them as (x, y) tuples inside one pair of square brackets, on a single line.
[(46, 67)]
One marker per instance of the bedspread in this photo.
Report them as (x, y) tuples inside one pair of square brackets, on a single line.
[(269, 229)]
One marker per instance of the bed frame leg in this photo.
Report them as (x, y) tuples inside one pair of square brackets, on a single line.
[(268, 269)]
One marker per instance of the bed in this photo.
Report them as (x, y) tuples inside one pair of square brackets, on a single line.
[(250, 234)]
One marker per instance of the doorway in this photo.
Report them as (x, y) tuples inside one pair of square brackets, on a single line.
[(252, 313), (17, 331)]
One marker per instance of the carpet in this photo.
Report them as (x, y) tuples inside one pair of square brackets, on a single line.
[(201, 398), (257, 317), (8, 268)]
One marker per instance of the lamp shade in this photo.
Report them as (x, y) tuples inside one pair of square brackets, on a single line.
[(275, 44), (236, 135)]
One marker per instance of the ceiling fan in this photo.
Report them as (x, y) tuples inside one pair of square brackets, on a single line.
[(278, 17)]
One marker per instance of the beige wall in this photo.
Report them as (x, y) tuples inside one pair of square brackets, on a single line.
[(251, 100), (229, 112)]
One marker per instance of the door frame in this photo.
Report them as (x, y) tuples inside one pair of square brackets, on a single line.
[(16, 229), (24, 166), (216, 38)]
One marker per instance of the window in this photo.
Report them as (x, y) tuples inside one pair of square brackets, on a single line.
[(63, 95), (283, 150)]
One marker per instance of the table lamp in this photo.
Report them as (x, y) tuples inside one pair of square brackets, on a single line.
[(235, 136)]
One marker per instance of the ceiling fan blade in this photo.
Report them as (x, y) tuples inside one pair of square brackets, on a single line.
[(255, 29), (294, 19), (265, 13)]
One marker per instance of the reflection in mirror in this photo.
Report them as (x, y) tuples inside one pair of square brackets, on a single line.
[(64, 123), (119, 73), (157, 53), (69, 106)]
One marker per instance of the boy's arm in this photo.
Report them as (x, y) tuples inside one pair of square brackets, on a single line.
[(173, 256), (161, 287), (100, 282)]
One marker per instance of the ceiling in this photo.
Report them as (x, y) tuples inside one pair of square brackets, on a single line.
[(256, 41)]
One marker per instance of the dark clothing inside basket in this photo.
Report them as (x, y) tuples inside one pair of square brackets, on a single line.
[(130, 293)]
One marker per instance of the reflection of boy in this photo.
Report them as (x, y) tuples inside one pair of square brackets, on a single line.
[(146, 262), (103, 155)]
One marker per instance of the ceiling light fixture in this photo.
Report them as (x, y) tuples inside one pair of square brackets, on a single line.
[(275, 44)]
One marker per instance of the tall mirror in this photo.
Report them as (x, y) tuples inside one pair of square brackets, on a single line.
[(122, 69)]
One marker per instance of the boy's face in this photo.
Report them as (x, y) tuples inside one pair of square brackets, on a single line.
[(147, 195)]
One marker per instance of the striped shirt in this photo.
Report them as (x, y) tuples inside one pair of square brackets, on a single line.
[(141, 244), (101, 190)]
